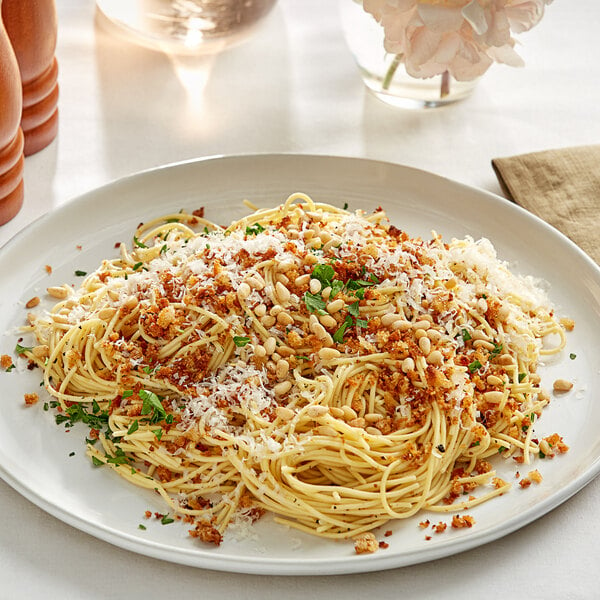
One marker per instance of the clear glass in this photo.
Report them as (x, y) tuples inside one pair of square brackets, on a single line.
[(186, 26), (384, 74)]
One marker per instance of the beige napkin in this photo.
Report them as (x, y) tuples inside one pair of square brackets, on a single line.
[(560, 186)]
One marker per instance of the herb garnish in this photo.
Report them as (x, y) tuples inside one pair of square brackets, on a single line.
[(240, 341), (254, 229)]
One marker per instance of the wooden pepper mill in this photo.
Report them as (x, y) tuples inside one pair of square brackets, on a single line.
[(11, 135), (31, 27)]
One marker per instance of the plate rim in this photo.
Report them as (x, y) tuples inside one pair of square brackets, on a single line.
[(293, 566)]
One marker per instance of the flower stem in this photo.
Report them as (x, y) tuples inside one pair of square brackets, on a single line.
[(387, 81), (445, 85)]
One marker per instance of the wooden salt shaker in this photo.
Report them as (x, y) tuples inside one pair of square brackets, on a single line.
[(31, 27), (11, 135)]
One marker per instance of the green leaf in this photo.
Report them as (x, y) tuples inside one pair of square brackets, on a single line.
[(362, 323), (80, 273), (240, 341), (324, 273), (474, 366), (127, 394), (338, 336), (97, 462), (254, 229), (496, 351), (166, 520), (353, 309), (138, 243), (142, 527), (137, 266), (22, 349), (466, 336), (151, 405), (522, 377), (133, 427), (336, 287), (158, 433), (315, 303), (572, 356)]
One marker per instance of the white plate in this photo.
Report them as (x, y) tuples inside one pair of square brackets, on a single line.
[(35, 453)]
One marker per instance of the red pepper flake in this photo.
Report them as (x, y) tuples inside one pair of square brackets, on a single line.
[(147, 514), (440, 527), (48, 269), (427, 537), (388, 533), (384, 545)]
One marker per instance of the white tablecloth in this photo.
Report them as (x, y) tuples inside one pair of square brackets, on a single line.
[(293, 87)]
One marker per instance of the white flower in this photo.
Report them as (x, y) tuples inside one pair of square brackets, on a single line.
[(462, 37)]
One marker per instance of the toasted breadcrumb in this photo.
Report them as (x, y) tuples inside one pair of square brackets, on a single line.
[(5, 361), (31, 399), (440, 527), (424, 524), (535, 476), (460, 522), (206, 533), (497, 482), (568, 324), (48, 269), (366, 543), (525, 483)]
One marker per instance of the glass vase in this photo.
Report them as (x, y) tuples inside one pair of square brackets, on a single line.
[(385, 74)]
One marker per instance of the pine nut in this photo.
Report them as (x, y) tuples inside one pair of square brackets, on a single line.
[(349, 413), (260, 310), (422, 324), (335, 306), (425, 345), (420, 333), (41, 351), (401, 325), (260, 351), (434, 335), (282, 387), (373, 417), (562, 385), (545, 447), (255, 283), (314, 286), (315, 411), (284, 413), (336, 412), (482, 305), (372, 430), (106, 313), (319, 331), (328, 321), (494, 397), (326, 430), (327, 340), (505, 360), (32, 302), (282, 292), (568, 324), (503, 313), (408, 364), (270, 345), (282, 368), (285, 266), (329, 353), (483, 344), (358, 422), (268, 320), (494, 380), (275, 310), (58, 292), (285, 319), (534, 379), (326, 292), (313, 320), (243, 290), (389, 318), (285, 351), (310, 259), (435, 358), (302, 280)]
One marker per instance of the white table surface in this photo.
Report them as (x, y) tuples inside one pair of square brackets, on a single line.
[(294, 87)]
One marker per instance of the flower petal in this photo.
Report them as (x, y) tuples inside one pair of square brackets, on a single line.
[(440, 18)]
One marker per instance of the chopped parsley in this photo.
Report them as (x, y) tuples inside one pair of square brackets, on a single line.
[(254, 229), (240, 341), (167, 519), (22, 349), (138, 243), (315, 303), (474, 366), (151, 405), (133, 427), (80, 273), (137, 266), (522, 377), (466, 336), (572, 356)]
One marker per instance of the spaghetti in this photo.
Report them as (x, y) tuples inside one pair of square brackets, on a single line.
[(308, 361)]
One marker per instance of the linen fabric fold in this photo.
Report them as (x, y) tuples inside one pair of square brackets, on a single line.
[(562, 187)]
